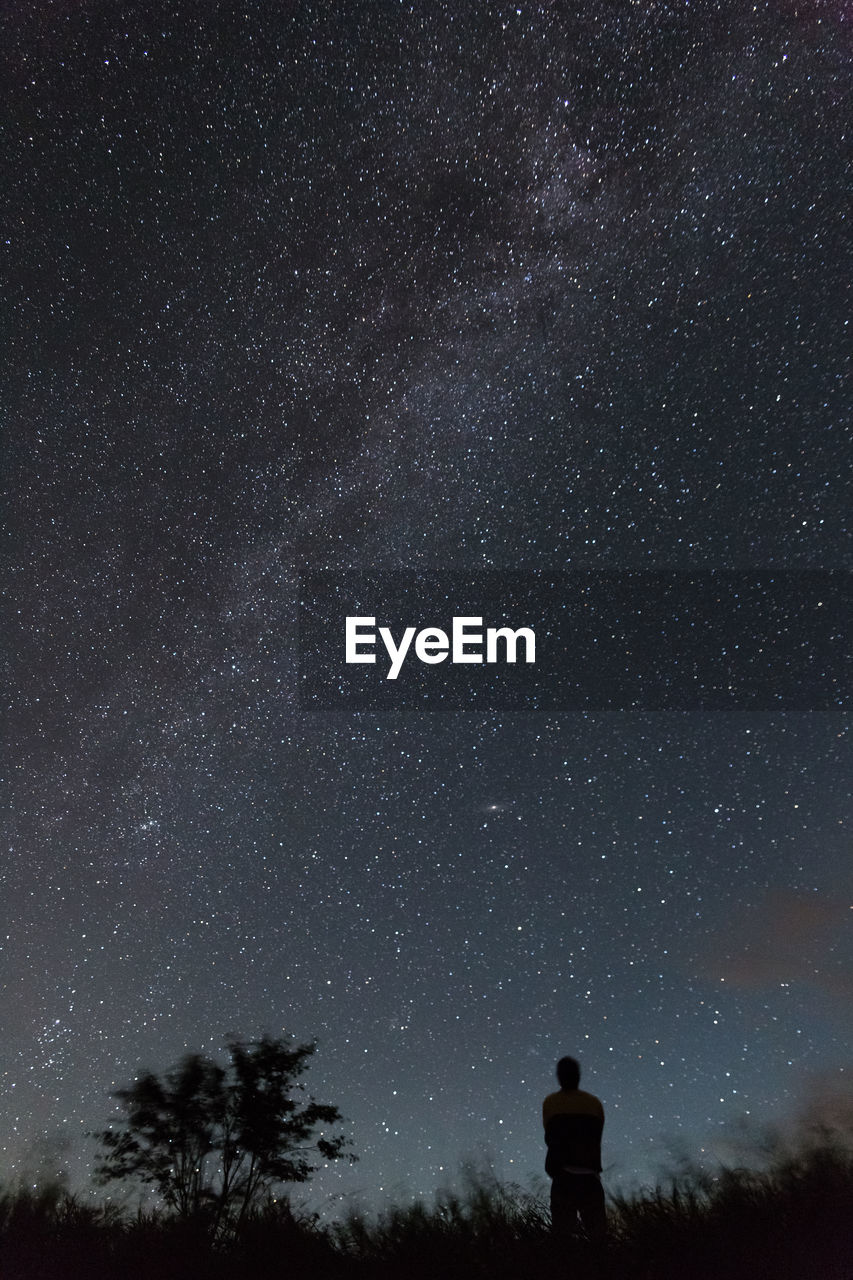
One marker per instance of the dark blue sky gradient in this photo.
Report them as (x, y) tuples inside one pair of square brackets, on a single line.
[(372, 287)]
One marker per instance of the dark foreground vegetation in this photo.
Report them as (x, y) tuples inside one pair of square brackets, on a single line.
[(793, 1220)]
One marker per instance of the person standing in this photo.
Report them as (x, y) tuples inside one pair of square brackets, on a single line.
[(574, 1121)]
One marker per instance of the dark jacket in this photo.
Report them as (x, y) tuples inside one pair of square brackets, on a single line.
[(573, 1123)]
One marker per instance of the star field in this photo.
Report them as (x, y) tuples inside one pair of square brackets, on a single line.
[(385, 286)]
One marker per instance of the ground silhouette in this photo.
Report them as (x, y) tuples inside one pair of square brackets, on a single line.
[(790, 1221)]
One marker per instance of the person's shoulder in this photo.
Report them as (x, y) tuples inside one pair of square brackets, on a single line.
[(591, 1101), (549, 1105), (552, 1105), (574, 1102)]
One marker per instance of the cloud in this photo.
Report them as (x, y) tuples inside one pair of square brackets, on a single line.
[(827, 1103), (787, 938)]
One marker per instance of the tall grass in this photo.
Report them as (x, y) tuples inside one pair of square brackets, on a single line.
[(484, 1229), (790, 1221)]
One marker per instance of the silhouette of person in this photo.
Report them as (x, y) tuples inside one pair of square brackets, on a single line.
[(573, 1123)]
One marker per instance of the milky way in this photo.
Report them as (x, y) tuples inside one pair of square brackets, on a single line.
[(417, 287)]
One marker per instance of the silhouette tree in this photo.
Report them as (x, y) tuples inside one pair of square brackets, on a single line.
[(215, 1140)]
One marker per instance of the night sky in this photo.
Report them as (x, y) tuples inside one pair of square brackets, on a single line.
[(426, 288)]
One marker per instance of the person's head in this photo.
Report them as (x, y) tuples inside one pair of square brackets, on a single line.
[(568, 1073)]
